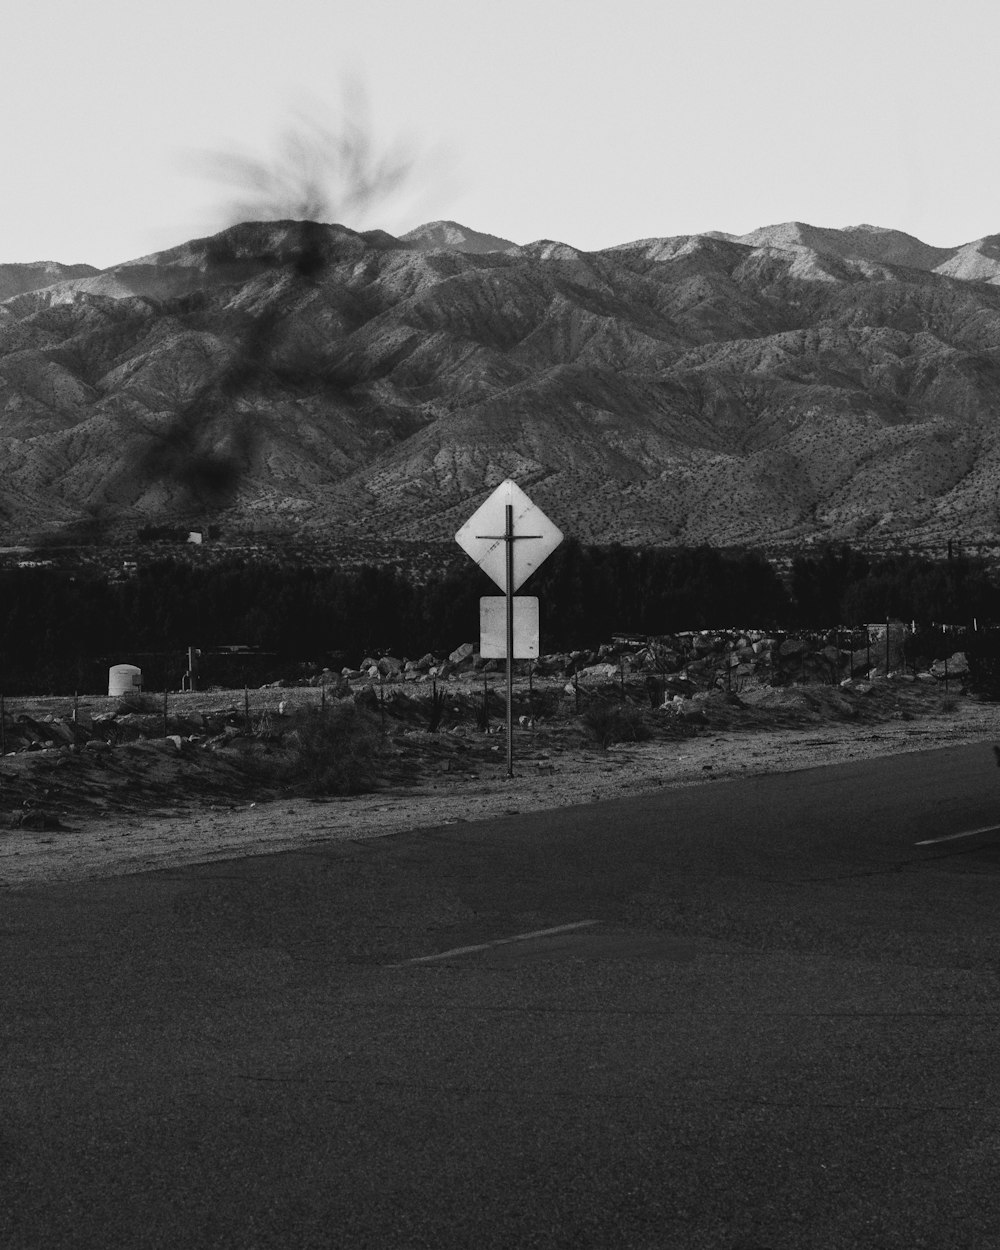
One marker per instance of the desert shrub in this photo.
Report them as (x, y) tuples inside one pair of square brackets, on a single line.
[(115, 734), (436, 710), (261, 725), (983, 654), (334, 750), (615, 722)]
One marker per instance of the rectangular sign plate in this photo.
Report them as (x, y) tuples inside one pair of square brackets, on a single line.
[(493, 627)]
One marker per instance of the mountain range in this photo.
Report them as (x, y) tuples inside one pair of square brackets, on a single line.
[(792, 385)]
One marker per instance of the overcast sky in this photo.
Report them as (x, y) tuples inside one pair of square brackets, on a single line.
[(588, 121)]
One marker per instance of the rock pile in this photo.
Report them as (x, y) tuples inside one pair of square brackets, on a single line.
[(703, 659), (98, 733)]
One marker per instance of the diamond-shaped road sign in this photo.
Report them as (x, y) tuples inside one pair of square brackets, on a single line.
[(484, 535)]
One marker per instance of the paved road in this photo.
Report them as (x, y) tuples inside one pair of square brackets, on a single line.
[(782, 1031)]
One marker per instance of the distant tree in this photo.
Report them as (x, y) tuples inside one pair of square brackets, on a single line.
[(820, 585), (915, 588)]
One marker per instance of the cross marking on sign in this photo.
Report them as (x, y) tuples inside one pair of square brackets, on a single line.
[(484, 535)]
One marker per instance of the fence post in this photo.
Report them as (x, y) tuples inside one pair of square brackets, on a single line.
[(3, 726), (576, 692), (164, 705)]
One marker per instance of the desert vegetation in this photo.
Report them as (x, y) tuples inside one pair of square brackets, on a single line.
[(260, 620)]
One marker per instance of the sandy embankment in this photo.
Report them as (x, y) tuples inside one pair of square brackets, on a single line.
[(113, 843)]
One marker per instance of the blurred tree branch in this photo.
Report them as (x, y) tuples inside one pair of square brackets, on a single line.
[(319, 171)]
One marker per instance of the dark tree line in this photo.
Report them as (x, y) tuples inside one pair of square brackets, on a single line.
[(841, 585), (60, 631)]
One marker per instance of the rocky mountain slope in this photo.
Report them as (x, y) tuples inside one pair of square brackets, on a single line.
[(785, 386), (434, 235), (16, 279)]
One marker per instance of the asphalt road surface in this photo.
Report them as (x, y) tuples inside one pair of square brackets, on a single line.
[(760, 1014)]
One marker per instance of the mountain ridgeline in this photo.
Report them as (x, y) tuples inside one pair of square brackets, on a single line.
[(785, 387)]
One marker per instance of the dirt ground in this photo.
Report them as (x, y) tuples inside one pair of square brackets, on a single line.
[(152, 803)]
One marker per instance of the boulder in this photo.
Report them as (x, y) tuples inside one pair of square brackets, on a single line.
[(461, 654), (792, 648), (390, 666), (685, 708), (546, 665), (59, 731), (600, 673), (665, 659), (958, 666)]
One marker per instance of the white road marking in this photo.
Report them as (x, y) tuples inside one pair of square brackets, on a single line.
[(485, 946), (953, 837)]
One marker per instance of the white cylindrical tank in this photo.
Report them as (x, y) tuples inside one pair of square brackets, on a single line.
[(124, 679)]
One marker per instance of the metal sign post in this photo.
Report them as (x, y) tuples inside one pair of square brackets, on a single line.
[(511, 564), (509, 538)]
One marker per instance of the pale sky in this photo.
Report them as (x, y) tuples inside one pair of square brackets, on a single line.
[(588, 121)]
